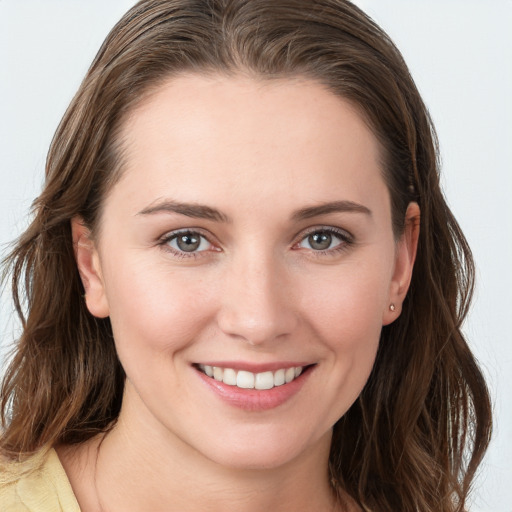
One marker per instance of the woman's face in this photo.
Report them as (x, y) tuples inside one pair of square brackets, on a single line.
[(249, 235)]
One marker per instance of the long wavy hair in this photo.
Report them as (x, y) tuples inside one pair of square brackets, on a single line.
[(414, 438)]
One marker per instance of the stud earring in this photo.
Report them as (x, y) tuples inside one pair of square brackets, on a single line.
[(392, 307)]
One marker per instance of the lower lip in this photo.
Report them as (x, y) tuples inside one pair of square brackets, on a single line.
[(256, 399)]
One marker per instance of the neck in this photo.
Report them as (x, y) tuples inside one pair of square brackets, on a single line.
[(136, 470)]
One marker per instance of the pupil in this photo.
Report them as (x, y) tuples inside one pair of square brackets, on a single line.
[(188, 243), (320, 241)]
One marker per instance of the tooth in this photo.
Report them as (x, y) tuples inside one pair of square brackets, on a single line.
[(279, 378), (289, 375), (245, 380), (249, 380), (264, 380), (229, 377)]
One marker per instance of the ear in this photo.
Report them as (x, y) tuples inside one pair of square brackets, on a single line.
[(404, 263), (89, 268)]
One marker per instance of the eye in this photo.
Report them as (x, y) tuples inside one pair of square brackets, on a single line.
[(321, 240), (187, 242)]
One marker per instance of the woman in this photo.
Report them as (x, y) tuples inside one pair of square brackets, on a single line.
[(244, 287)]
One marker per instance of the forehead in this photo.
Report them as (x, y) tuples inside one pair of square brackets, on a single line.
[(248, 139)]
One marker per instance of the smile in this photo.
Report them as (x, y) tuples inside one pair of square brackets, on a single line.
[(249, 380)]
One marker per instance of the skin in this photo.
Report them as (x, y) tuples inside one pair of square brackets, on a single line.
[(257, 291)]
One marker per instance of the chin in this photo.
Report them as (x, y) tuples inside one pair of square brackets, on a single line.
[(267, 451), (253, 460)]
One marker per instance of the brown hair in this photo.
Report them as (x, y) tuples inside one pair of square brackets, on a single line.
[(415, 436)]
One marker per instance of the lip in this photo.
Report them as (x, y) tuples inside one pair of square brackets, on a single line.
[(254, 399), (256, 367)]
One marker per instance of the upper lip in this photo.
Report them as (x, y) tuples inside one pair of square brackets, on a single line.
[(256, 367)]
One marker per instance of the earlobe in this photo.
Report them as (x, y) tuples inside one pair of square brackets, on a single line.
[(89, 268), (404, 263)]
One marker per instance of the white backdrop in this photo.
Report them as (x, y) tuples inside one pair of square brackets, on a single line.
[(460, 54)]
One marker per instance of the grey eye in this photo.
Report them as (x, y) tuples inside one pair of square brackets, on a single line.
[(321, 241), (189, 242)]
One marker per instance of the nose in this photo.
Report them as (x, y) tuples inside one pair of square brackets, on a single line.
[(257, 302)]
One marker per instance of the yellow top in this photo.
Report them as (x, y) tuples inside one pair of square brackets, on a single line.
[(38, 484)]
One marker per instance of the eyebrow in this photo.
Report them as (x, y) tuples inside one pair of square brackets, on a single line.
[(200, 211), (197, 211), (332, 207)]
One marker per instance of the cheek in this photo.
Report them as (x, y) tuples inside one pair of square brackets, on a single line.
[(154, 309), (348, 303), (350, 328), (346, 315)]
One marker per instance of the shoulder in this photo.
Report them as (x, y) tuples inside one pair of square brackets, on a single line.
[(38, 484)]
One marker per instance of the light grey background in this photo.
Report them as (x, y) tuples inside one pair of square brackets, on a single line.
[(460, 54)]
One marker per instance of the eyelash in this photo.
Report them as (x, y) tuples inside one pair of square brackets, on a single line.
[(346, 240), (169, 237)]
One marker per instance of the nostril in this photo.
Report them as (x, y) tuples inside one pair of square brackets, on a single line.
[(254, 306), (253, 329)]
